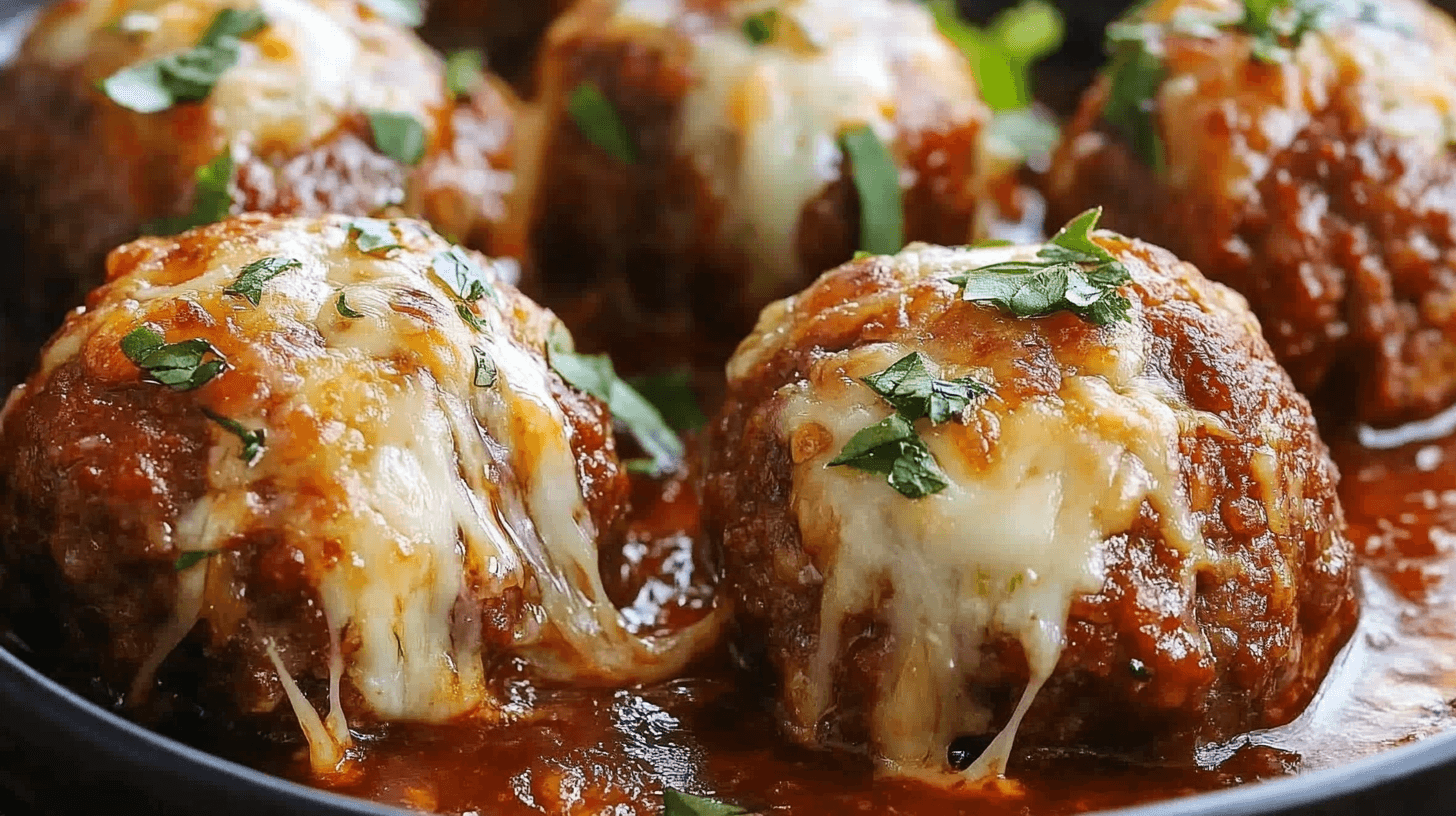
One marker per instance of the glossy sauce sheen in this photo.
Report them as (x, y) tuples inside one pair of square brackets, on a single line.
[(613, 752)]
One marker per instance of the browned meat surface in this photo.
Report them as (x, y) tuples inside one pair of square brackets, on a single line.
[(736, 190), (80, 174), (506, 31), (1317, 182), (1140, 516), (406, 532)]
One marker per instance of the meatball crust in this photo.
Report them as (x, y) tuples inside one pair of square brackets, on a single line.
[(738, 191), (82, 174), (1140, 538), (1317, 181), (384, 496)]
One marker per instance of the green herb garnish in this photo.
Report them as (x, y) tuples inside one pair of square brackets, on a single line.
[(676, 803), (761, 28), (187, 76), (599, 123), (212, 198), (908, 386), (251, 280), (594, 374), (180, 366), (893, 449), (1135, 76), (1072, 273), (1059, 280), (672, 395), (404, 12), (344, 309), (253, 441), (373, 235), (464, 71), (460, 272), (467, 313), (877, 180), (485, 370), (1002, 54), (1279, 26), (399, 136), (188, 560)]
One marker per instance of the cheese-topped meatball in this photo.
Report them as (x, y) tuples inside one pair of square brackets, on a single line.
[(330, 462), (695, 158), (147, 116), (1304, 159), (947, 527)]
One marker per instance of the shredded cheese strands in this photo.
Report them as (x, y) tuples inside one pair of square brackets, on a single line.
[(325, 752)]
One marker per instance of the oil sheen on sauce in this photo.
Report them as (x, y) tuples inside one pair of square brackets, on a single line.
[(614, 751)]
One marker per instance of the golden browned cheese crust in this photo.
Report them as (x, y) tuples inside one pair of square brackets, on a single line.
[(738, 194), (408, 527), (1218, 597), (81, 174), (1321, 187)]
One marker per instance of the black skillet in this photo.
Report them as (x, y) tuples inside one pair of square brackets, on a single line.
[(60, 755)]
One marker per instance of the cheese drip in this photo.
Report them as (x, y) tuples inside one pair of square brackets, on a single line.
[(410, 498), (761, 122), (1000, 554)]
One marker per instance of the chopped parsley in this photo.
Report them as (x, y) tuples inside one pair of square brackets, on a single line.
[(594, 374), (464, 277), (180, 366), (212, 198), (877, 180), (485, 370), (253, 441), (344, 309), (399, 136), (760, 28), (1278, 26), (404, 12), (1072, 273), (192, 558), (251, 280), (187, 76), (1134, 76), (672, 395), (677, 803), (908, 386), (373, 235), (892, 448), (599, 123), (464, 71), (467, 313), (1002, 54), (1139, 670)]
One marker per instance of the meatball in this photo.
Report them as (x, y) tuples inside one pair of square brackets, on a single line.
[(691, 166), (289, 129), (316, 460), (1120, 537), (1304, 161)]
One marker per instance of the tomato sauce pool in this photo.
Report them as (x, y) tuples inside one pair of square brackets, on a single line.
[(586, 751)]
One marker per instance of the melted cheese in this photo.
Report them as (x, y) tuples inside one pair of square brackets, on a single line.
[(295, 82), (1388, 62), (412, 497), (762, 122), (1002, 553)]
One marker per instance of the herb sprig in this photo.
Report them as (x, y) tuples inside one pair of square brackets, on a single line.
[(192, 558), (399, 136), (212, 198), (255, 275), (1072, 273), (253, 441), (600, 123), (892, 448), (183, 366), (677, 803), (595, 375), (464, 72), (187, 76), (877, 180)]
